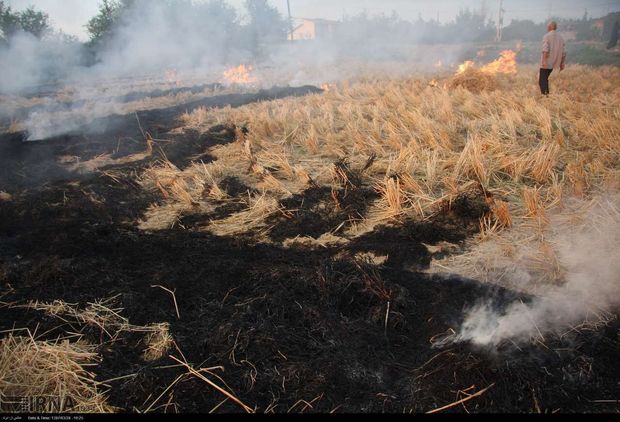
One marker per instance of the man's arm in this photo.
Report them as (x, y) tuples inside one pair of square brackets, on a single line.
[(563, 64), (545, 53)]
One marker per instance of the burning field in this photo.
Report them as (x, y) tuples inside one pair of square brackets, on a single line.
[(411, 244)]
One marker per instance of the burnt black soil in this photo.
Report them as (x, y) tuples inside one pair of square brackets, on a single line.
[(398, 242), (319, 210), (26, 164), (67, 106), (286, 324)]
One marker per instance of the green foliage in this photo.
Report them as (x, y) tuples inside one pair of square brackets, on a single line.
[(30, 20), (218, 23), (34, 22), (468, 19), (111, 12), (590, 55), (470, 26), (467, 26), (585, 29), (266, 23), (524, 30), (9, 21), (101, 25), (609, 23), (215, 18)]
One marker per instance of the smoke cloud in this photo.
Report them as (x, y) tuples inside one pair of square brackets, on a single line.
[(198, 42), (590, 258), (204, 38), (28, 62), (157, 35)]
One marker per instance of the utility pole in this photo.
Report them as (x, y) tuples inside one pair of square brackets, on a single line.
[(500, 22), (290, 18)]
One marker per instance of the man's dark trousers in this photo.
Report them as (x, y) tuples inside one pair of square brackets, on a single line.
[(543, 81)]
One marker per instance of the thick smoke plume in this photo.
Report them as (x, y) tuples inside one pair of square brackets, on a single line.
[(590, 257), (198, 41), (201, 39), (156, 35), (28, 62)]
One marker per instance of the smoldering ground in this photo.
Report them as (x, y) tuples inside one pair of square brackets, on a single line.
[(585, 238)]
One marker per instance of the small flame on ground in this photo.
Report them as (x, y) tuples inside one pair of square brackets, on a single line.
[(507, 64), (465, 66), (240, 75), (481, 54)]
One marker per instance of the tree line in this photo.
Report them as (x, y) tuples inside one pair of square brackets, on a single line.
[(31, 21), (262, 23)]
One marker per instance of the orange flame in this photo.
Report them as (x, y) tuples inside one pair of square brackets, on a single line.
[(328, 87), (507, 63), (240, 75), (465, 66)]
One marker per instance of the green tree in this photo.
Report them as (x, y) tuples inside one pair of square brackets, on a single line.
[(218, 21), (524, 30), (34, 22), (266, 23), (9, 21), (101, 25), (30, 20), (469, 26), (224, 14)]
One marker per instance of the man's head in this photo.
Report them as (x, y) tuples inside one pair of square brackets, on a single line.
[(552, 26)]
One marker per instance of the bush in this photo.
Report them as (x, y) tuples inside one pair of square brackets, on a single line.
[(30, 20)]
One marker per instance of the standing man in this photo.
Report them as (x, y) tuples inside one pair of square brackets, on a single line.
[(553, 56)]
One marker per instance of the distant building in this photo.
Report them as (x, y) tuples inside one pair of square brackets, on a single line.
[(313, 29)]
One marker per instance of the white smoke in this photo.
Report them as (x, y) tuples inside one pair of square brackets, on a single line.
[(28, 62), (193, 38), (44, 125), (205, 36), (589, 254), (153, 37)]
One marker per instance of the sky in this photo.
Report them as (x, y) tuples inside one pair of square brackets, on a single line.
[(72, 15)]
